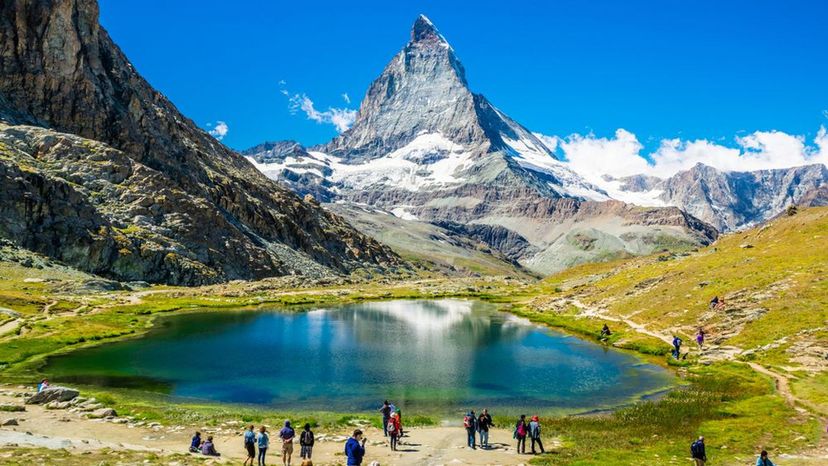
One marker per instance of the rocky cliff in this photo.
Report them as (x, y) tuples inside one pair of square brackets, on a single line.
[(222, 219)]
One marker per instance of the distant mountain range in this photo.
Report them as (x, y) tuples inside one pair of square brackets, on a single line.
[(100, 171), (425, 148)]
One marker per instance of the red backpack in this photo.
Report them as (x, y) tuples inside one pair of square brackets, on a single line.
[(467, 422)]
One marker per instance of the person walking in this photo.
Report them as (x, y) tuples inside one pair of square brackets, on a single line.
[(250, 445), (700, 338), (698, 452), (264, 442), (470, 423), (355, 448), (676, 347), (521, 431), (306, 442), (394, 430), (484, 423), (763, 459), (286, 434), (535, 434), (385, 409)]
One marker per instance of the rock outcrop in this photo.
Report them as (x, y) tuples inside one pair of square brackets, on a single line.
[(159, 199), (50, 394)]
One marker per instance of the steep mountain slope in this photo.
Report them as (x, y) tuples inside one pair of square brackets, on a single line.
[(61, 70), (733, 200), (426, 148), (771, 279)]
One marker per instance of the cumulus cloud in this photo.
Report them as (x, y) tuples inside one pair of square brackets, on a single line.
[(341, 118), (621, 155), (219, 131)]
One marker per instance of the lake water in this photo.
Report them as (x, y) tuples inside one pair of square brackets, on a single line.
[(441, 355)]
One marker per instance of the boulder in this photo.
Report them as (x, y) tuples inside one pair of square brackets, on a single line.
[(10, 422), (102, 413), (53, 394)]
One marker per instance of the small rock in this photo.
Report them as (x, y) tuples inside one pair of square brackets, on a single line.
[(11, 408), (102, 413), (10, 422), (745, 246)]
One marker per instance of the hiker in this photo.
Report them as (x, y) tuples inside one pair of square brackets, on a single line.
[(535, 434), (698, 453), (763, 459), (208, 449), (714, 302), (264, 442), (306, 442), (195, 443), (355, 448), (470, 423), (399, 421), (521, 430), (43, 385), (386, 415), (700, 338), (605, 332), (250, 445), (286, 434), (394, 429), (676, 346), (484, 422)]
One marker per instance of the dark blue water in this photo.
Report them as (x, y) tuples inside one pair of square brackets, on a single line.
[(428, 355)]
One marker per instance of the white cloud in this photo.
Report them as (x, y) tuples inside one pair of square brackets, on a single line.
[(621, 155), (346, 98), (341, 118), (220, 130)]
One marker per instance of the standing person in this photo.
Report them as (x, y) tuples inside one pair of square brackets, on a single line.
[(306, 442), (470, 423), (394, 430), (676, 346), (535, 434), (250, 445), (700, 338), (484, 422), (386, 415), (264, 442), (698, 453), (521, 430), (286, 434), (355, 448), (763, 459), (399, 421), (195, 443), (605, 332)]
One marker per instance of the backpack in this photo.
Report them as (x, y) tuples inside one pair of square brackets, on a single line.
[(306, 438), (695, 449), (521, 429), (392, 427), (467, 422)]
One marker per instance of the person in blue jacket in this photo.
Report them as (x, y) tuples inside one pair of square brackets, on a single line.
[(763, 459), (355, 448)]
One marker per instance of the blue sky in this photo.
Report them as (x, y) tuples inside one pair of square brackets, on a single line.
[(659, 69)]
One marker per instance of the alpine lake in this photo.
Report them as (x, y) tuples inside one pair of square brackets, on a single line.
[(438, 356)]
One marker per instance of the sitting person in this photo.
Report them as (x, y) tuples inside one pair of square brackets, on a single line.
[(43, 385), (605, 332), (207, 448), (195, 444)]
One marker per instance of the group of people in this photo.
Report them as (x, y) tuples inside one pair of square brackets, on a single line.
[(478, 425), (391, 423), (252, 441)]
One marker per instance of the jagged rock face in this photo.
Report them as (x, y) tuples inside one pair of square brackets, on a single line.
[(276, 151), (425, 147), (61, 70), (734, 200)]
